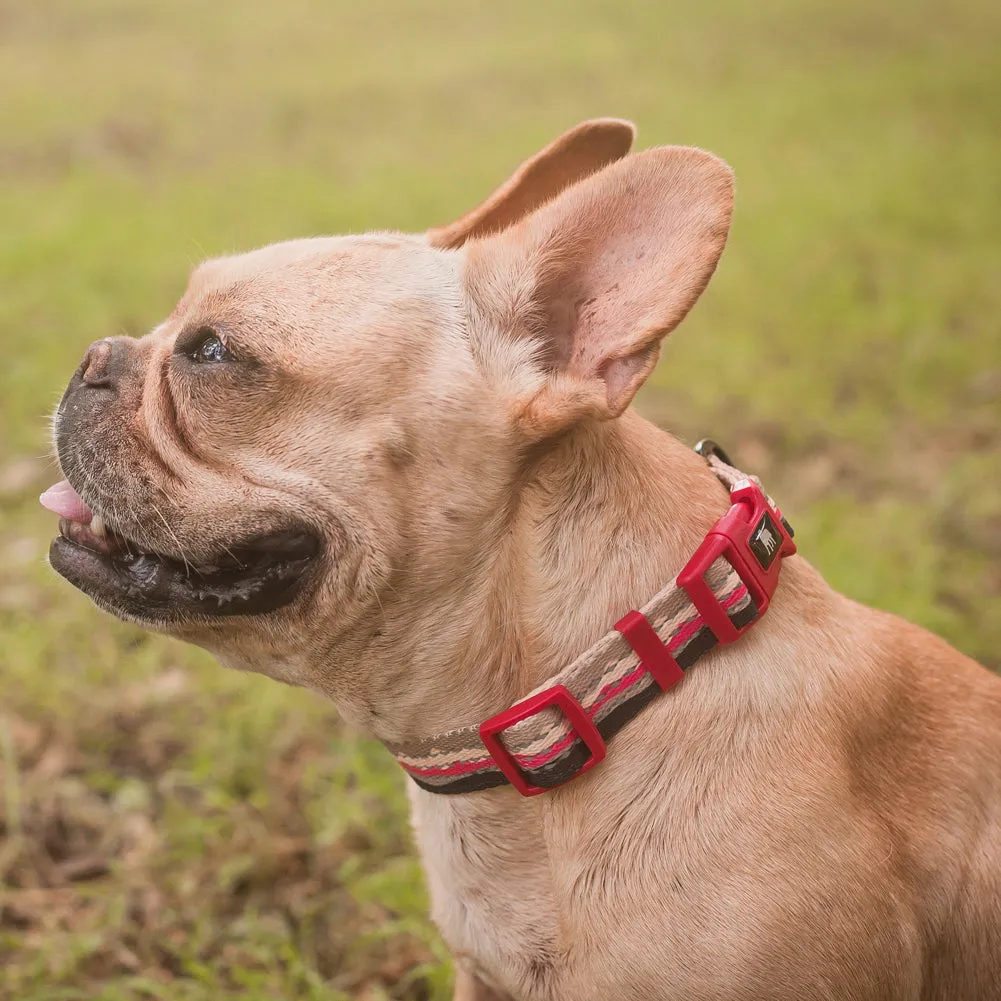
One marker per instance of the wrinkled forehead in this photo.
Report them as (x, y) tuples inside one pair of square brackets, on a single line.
[(324, 296)]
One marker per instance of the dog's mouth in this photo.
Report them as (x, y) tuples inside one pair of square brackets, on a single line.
[(251, 576)]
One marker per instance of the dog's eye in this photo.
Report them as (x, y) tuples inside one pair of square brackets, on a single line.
[(208, 348)]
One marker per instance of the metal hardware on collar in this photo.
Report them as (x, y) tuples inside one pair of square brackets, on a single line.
[(707, 448), (577, 717), (724, 588)]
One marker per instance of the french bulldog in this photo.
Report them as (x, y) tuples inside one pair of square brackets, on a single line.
[(403, 471)]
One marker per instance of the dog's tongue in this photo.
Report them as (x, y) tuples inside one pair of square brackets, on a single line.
[(63, 500)]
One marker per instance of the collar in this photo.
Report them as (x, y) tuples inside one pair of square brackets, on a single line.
[(560, 730)]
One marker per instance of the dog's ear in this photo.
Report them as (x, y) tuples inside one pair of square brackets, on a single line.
[(599, 275), (570, 158)]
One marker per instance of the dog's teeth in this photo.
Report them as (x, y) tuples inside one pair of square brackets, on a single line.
[(97, 526)]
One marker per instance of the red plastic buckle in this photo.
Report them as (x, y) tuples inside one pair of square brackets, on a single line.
[(754, 539), (576, 715), (650, 648)]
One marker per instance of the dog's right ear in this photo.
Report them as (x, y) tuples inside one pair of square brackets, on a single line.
[(576, 154)]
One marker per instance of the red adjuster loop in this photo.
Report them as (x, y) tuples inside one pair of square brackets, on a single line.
[(650, 648), (753, 538), (576, 715)]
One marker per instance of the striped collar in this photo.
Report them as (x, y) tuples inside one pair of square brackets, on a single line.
[(559, 731)]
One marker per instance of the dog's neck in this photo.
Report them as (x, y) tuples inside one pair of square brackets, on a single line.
[(607, 519), (602, 521)]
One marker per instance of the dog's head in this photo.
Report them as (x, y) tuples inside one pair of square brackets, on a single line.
[(329, 429)]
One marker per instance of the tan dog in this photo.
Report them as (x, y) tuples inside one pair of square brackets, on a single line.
[(401, 471)]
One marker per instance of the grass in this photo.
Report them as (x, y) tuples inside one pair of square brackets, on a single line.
[(171, 830)]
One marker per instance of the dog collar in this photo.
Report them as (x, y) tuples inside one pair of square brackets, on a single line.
[(559, 731)]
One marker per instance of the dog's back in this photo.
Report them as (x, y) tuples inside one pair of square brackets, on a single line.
[(927, 757)]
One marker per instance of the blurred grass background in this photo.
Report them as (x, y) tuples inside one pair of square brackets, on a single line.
[(171, 830)]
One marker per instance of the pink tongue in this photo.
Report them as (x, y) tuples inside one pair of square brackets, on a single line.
[(67, 503)]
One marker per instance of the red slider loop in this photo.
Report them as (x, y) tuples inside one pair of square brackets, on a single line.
[(648, 646)]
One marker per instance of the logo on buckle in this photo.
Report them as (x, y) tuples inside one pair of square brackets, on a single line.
[(765, 541)]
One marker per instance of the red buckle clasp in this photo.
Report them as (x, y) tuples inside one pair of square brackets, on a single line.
[(576, 715), (753, 537)]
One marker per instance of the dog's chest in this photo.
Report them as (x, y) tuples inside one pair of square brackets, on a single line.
[(489, 894)]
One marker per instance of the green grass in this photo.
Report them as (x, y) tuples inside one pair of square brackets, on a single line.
[(172, 830)]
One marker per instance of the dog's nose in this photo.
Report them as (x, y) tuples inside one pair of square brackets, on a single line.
[(110, 372), (100, 366), (94, 369)]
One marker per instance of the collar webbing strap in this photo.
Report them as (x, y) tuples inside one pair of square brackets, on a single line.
[(559, 731)]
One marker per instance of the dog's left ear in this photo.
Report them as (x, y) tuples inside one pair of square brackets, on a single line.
[(581, 151), (598, 276)]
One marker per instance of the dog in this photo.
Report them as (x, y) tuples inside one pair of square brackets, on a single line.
[(402, 471)]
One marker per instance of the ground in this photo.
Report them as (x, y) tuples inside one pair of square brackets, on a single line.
[(172, 830)]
